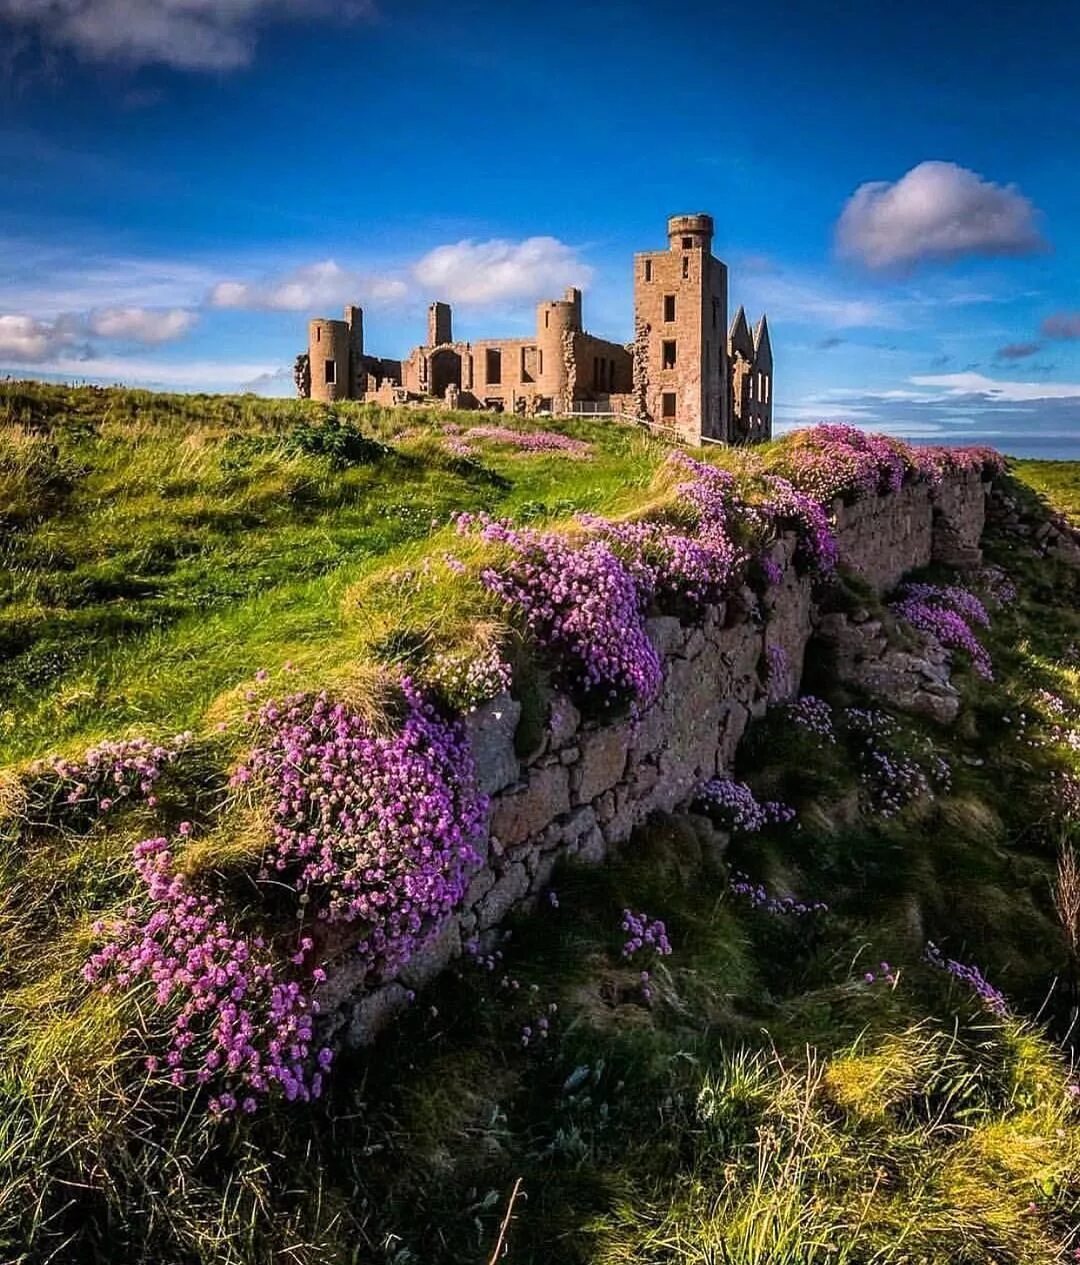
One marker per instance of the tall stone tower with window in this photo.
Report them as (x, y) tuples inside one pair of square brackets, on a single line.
[(680, 332)]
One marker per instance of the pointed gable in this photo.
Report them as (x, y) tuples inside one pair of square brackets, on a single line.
[(739, 339), (762, 345)]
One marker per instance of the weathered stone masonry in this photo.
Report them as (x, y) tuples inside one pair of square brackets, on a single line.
[(586, 786)]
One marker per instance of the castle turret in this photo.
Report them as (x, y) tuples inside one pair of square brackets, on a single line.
[(439, 325), (329, 349), (690, 232), (557, 321), (680, 324)]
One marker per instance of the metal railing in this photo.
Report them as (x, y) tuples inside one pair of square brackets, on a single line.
[(593, 408)]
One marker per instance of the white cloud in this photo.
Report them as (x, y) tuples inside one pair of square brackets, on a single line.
[(499, 271), (938, 210), (24, 340), (314, 286), (995, 389), (141, 324), (188, 34)]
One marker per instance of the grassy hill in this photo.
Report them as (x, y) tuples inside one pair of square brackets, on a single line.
[(781, 1090)]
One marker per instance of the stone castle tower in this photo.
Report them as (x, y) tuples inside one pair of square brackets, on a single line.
[(684, 372)]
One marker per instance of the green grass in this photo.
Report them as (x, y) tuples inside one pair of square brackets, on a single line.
[(1058, 482), (768, 1107), (164, 548)]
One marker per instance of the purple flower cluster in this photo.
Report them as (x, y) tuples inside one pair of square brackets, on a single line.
[(670, 568), (786, 505), (107, 776), (814, 716), (734, 806), (991, 997), (946, 614), (757, 894), (894, 779), (943, 461), (884, 975), (235, 1025), (581, 605), (837, 460), (467, 678), (379, 829), (952, 596), (526, 441), (644, 934)]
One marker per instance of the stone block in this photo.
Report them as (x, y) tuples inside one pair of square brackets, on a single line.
[(373, 1012), (491, 730), (666, 634), (518, 814), (603, 760), (434, 957), (564, 720), (508, 890)]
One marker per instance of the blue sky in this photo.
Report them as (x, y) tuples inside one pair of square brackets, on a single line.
[(187, 181)]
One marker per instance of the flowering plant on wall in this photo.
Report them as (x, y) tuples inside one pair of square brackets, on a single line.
[(235, 1021), (946, 613), (374, 828), (581, 607)]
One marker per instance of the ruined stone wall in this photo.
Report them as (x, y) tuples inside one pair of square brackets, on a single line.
[(585, 787)]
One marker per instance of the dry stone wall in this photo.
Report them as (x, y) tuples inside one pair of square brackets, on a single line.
[(585, 787)]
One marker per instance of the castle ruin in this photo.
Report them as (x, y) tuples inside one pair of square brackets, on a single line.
[(686, 370)]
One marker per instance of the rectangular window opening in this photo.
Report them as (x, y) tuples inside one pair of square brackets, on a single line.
[(669, 307), (667, 354), (715, 307), (648, 269), (493, 366), (331, 373), (686, 265), (667, 404), (687, 243)]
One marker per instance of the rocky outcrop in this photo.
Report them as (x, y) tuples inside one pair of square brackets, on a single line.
[(912, 681), (583, 789), (1044, 531)]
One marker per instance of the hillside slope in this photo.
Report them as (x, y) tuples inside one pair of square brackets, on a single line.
[(838, 1030)]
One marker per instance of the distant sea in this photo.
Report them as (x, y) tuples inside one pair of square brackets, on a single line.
[(1036, 447)]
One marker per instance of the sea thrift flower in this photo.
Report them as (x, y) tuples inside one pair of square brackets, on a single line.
[(972, 977), (759, 897), (525, 441), (735, 807), (946, 613), (581, 605), (381, 829), (644, 934), (814, 716), (466, 678), (787, 506), (112, 772), (236, 1023)]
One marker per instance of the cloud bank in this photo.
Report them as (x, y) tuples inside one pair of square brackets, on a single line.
[(938, 210), (186, 34), (325, 284), (28, 340), (500, 271)]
